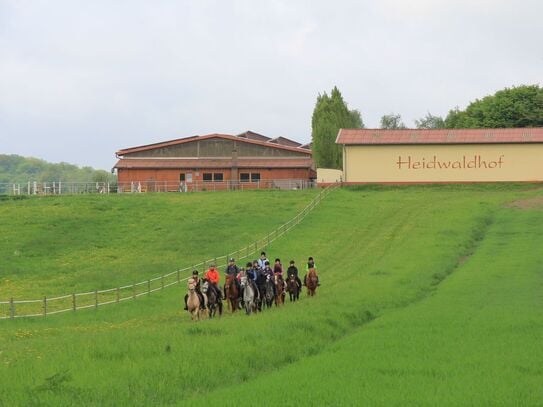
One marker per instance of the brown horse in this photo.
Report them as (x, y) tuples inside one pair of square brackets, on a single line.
[(311, 281), (231, 292), (279, 290), (292, 288)]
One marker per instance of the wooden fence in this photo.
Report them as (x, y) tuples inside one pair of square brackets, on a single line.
[(93, 299)]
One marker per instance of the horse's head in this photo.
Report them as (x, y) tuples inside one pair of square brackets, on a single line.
[(205, 286)]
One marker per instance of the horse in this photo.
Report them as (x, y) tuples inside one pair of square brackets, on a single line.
[(231, 292), (193, 302), (267, 294), (214, 302), (293, 288), (279, 290), (249, 295), (311, 282)]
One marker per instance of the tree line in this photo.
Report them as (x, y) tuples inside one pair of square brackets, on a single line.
[(520, 106), (17, 169)]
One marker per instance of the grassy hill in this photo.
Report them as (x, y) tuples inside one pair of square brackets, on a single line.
[(17, 169), (430, 295)]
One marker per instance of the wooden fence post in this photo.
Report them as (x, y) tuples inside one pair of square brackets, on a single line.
[(178, 277), (44, 306), (118, 295), (11, 308), (134, 290), (73, 302), (148, 287), (162, 282), (96, 299)]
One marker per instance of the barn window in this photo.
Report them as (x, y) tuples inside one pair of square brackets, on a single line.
[(255, 177), (217, 176), (244, 177), (208, 177)]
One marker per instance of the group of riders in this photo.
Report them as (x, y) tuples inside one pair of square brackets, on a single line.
[(257, 273)]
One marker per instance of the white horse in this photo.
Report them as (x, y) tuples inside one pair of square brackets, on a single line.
[(248, 295), (193, 301)]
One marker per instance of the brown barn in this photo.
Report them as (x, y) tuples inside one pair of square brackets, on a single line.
[(215, 161)]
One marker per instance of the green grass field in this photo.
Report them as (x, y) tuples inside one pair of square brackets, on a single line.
[(430, 295)]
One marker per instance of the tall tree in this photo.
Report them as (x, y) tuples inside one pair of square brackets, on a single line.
[(430, 122), (392, 121), (329, 115), (520, 106)]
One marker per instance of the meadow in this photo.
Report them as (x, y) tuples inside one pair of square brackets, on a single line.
[(431, 295)]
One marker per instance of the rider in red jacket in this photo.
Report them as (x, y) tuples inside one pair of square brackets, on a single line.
[(212, 275)]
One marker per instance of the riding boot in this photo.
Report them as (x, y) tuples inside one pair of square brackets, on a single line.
[(202, 302), (186, 307)]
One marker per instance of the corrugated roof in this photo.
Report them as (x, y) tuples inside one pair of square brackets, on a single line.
[(439, 136), (284, 141), (213, 163), (251, 135), (208, 136)]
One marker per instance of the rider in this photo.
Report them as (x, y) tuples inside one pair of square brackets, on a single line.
[(268, 274), (233, 270), (195, 280), (212, 275), (278, 271), (260, 280), (278, 268), (252, 276), (293, 270), (311, 264), (262, 260)]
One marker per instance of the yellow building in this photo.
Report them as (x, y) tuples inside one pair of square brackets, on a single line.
[(443, 155)]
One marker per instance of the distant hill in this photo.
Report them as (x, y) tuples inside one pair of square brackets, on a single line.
[(17, 169)]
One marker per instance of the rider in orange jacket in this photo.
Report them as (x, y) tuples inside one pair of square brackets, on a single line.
[(212, 275)]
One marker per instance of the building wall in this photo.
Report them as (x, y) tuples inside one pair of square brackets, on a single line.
[(216, 147), (443, 163), (329, 175), (172, 175)]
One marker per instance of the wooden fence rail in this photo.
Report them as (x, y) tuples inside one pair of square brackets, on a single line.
[(94, 299)]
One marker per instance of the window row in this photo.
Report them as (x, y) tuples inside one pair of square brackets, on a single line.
[(243, 177)]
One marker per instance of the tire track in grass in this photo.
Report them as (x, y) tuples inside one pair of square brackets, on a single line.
[(392, 229), (478, 234)]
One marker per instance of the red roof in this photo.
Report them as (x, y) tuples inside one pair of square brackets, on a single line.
[(214, 163), (284, 141), (194, 138), (251, 135), (439, 136)]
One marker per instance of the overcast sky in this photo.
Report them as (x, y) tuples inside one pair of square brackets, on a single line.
[(80, 80)]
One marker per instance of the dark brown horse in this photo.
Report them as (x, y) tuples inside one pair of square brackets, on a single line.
[(214, 302), (292, 288), (311, 282), (279, 290), (231, 292)]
